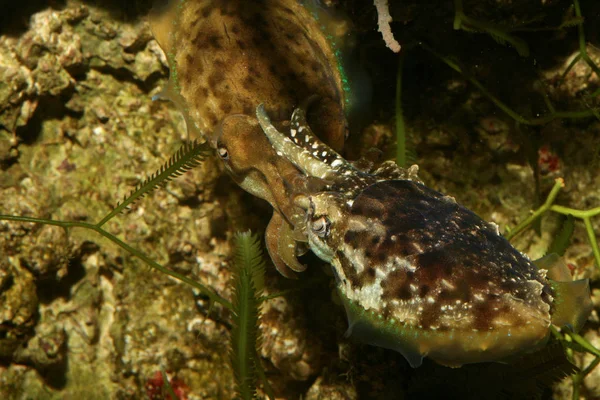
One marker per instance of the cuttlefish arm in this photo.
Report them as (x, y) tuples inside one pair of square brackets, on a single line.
[(282, 247), (302, 148), (317, 160)]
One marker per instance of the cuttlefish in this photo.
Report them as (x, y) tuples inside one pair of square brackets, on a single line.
[(224, 57), (416, 271)]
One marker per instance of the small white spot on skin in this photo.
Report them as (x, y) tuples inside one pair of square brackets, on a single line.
[(306, 138), (324, 153), (336, 162), (447, 284), (315, 145), (280, 154), (478, 297), (430, 300), (301, 129), (293, 133)]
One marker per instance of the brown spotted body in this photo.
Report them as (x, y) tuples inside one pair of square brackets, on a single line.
[(417, 272), (226, 56), (436, 269)]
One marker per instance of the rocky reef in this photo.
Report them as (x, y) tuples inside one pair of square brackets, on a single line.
[(78, 130)]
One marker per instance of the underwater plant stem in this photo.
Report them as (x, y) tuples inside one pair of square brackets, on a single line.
[(458, 14), (400, 127), (263, 378), (592, 239), (168, 388), (582, 42), (186, 157), (76, 224), (591, 367), (558, 184), (577, 338), (248, 273), (244, 313), (499, 34), (501, 105)]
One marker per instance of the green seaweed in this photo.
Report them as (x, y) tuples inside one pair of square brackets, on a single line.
[(188, 156), (500, 34), (584, 215), (582, 55), (247, 278), (400, 127), (248, 284), (562, 239)]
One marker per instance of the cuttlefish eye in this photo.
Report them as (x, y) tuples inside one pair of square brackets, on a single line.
[(320, 226), (223, 153)]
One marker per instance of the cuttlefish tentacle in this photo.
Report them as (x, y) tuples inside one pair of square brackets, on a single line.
[(302, 135), (313, 157), (283, 145)]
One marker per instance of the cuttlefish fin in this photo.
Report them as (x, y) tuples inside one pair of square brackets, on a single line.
[(555, 266), (572, 300)]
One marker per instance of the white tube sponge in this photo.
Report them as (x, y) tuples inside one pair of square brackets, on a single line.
[(383, 21)]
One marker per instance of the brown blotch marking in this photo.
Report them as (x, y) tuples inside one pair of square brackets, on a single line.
[(397, 285), (241, 44), (367, 277), (252, 71), (213, 41), (369, 209), (206, 11), (213, 80), (274, 70), (204, 91), (350, 237), (249, 81), (484, 313), (431, 316), (424, 290), (435, 265), (226, 107), (248, 109), (349, 270), (235, 29), (212, 118), (315, 66)]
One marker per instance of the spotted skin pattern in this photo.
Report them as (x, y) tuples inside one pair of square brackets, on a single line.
[(417, 272), (225, 55)]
